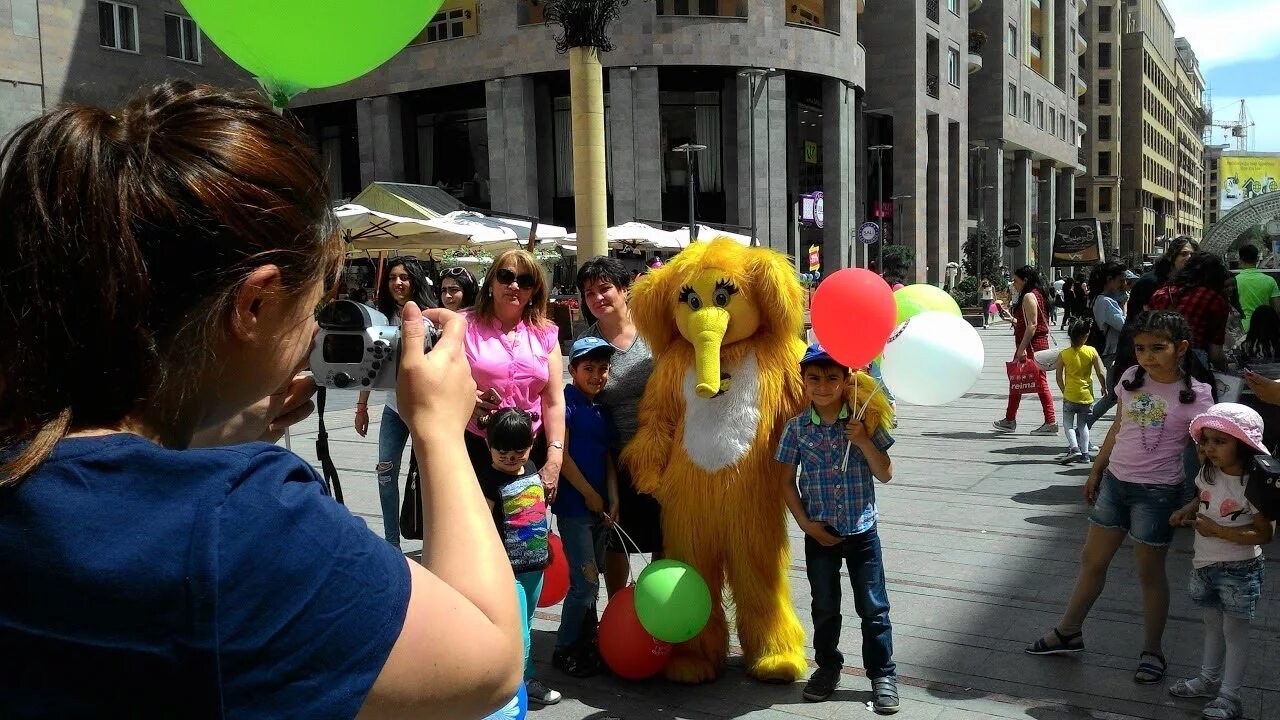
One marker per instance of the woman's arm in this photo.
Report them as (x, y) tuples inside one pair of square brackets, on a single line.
[(362, 413), (553, 422), (460, 650), (1101, 372), (1030, 313)]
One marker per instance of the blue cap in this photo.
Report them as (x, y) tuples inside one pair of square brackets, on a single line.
[(587, 345), (815, 354)]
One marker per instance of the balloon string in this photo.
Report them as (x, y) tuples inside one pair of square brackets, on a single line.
[(860, 412), (623, 538)]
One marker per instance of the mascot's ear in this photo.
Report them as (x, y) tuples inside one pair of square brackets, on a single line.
[(776, 290)]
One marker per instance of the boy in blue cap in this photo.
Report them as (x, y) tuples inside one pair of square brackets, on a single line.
[(835, 505), (587, 505)]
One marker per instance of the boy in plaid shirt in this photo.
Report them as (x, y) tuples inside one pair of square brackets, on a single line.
[(835, 505)]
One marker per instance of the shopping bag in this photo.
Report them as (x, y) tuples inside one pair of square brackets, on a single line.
[(1023, 377), (1047, 360)]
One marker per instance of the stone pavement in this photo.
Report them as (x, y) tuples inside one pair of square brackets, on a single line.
[(982, 534)]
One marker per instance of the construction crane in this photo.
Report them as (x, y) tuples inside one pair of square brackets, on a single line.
[(1239, 129)]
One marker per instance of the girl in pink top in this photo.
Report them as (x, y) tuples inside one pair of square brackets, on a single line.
[(514, 351), (1136, 485)]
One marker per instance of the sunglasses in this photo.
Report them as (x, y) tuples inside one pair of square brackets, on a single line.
[(524, 280), (454, 272)]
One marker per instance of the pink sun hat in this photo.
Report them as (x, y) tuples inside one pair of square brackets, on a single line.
[(1239, 421)]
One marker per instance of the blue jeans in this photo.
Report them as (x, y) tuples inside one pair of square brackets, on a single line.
[(1141, 509), (1233, 587), (531, 584), (1075, 423), (1108, 399), (861, 553), (584, 539), (392, 435)]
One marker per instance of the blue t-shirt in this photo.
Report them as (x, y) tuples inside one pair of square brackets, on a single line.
[(145, 582), (591, 434)]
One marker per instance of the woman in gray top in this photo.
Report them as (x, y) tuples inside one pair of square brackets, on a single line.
[(603, 284)]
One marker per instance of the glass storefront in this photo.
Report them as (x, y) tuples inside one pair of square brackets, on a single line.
[(693, 117)]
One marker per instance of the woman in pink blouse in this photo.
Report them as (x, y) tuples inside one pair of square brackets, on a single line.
[(514, 351)]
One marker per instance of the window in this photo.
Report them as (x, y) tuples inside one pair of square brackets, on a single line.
[(1012, 40), (804, 12), (1053, 121), (1104, 127), (118, 26), (1104, 17), (456, 19), (181, 38), (953, 66), (1104, 200), (1104, 92), (1040, 114), (1104, 55), (1013, 100), (1026, 107), (1104, 163), (954, 6)]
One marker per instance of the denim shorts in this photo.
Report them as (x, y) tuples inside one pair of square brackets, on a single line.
[(1232, 586), (1142, 509)]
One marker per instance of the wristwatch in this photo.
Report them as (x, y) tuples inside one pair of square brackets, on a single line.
[(556, 444)]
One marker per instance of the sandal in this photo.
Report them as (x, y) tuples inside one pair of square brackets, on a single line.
[(1149, 673), (1072, 643), (1223, 707), (884, 695)]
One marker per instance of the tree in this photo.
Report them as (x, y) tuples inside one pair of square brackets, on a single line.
[(897, 260), (584, 27), (991, 252)]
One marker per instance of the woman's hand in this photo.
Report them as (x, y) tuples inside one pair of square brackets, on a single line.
[(487, 401), (1267, 390), (265, 420), (1020, 356), (1091, 487), (362, 421), (550, 474), (435, 392)]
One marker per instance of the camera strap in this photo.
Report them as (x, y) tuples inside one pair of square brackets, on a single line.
[(329, 472)]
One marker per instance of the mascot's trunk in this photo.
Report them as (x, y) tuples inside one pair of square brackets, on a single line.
[(707, 326)]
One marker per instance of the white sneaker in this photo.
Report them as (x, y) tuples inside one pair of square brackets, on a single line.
[(541, 694)]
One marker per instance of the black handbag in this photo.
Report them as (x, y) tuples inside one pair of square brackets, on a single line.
[(411, 506)]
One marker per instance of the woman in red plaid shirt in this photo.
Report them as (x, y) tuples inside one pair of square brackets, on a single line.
[(1198, 291)]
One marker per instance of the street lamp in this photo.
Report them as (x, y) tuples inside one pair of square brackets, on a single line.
[(879, 151), (755, 76), (689, 149)]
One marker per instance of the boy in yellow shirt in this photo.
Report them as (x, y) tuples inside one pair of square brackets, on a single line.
[(1074, 364)]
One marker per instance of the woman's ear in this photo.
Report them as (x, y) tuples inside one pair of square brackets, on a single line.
[(1183, 346), (262, 286)]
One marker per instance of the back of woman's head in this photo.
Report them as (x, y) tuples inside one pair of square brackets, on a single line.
[(1030, 277), (419, 287), (1263, 338), (125, 238), (1102, 274), (1206, 270)]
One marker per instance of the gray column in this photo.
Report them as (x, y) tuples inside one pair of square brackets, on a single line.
[(936, 205), (910, 158), (1067, 192), (1047, 216), (381, 139), (957, 191), (511, 112), (1020, 206), (992, 216), (838, 178), (769, 146), (633, 144)]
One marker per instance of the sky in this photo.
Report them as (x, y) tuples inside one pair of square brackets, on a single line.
[(1238, 44)]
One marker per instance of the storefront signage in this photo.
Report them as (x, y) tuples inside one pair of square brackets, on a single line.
[(868, 232), (811, 209), (811, 152), (815, 258)]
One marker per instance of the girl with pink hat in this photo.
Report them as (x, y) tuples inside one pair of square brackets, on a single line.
[(1226, 579)]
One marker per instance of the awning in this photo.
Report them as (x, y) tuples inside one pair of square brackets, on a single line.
[(420, 202), (371, 230)]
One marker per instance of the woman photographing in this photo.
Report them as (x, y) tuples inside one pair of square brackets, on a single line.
[(163, 266)]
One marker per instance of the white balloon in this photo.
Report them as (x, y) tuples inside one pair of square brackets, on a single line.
[(932, 359)]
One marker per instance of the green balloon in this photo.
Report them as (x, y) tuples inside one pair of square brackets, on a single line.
[(915, 299), (672, 601), (295, 45)]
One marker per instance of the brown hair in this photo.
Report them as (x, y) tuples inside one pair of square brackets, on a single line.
[(535, 313), (125, 240)]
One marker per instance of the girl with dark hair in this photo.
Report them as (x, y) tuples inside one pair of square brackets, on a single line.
[(162, 266), (1031, 333), (457, 289), (406, 282), (1175, 256), (1136, 485), (1198, 292), (603, 284), (1262, 343)]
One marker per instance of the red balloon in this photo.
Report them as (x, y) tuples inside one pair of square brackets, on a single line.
[(555, 579), (627, 648), (853, 314)]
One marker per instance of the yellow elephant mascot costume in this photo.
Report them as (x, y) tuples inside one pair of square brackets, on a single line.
[(724, 323)]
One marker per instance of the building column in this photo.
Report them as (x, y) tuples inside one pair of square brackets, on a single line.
[(511, 112), (1020, 206), (634, 144), (936, 201), (1066, 179), (992, 217), (911, 167), (957, 191), (1047, 216), (378, 123), (839, 103), (769, 146)]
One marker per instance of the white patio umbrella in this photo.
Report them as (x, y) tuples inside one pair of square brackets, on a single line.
[(519, 228), (635, 235), (372, 230), (705, 233)]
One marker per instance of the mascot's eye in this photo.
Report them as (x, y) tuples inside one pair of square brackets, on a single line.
[(690, 296), (724, 290)]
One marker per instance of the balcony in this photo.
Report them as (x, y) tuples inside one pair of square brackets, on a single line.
[(1081, 45), (977, 41), (974, 5), (931, 84), (1081, 5), (1081, 87), (931, 10), (1035, 45)]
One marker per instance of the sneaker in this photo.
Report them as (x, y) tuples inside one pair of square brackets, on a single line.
[(575, 663), (1094, 449), (822, 683), (1005, 425), (541, 694), (884, 694), (1046, 429), (1086, 458), (1073, 455)]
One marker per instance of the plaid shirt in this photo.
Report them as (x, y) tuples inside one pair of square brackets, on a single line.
[(845, 501), (1205, 310)]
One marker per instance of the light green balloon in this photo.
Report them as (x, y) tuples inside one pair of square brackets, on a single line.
[(915, 299), (295, 45), (672, 601)]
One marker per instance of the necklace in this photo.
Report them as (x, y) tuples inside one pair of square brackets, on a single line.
[(1142, 415)]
